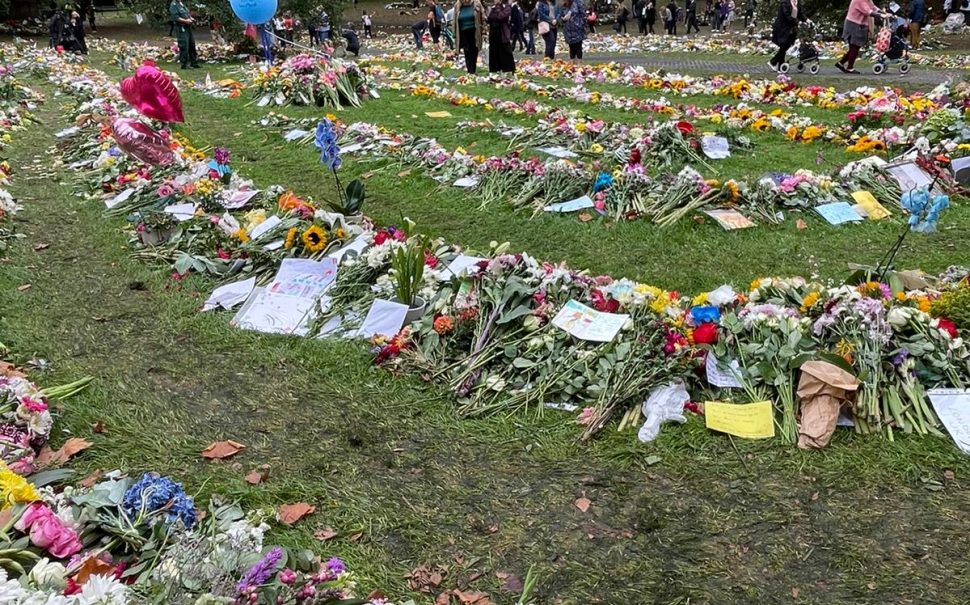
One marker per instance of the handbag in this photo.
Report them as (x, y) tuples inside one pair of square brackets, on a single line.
[(591, 17), (883, 39), (543, 28)]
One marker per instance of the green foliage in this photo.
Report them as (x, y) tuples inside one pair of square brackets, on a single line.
[(355, 198), (408, 264), (955, 306)]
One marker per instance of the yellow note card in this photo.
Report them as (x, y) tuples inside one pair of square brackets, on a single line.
[(437, 114), (748, 420), (874, 210)]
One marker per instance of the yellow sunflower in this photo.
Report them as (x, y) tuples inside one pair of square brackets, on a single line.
[(314, 239)]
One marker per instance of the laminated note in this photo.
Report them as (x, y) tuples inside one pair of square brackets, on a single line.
[(747, 420), (588, 324), (558, 152), (230, 295), (384, 318), (874, 211), (571, 206), (722, 376), (953, 408), (124, 195), (181, 212), (304, 278), (838, 213), (730, 219), (461, 265), (715, 148)]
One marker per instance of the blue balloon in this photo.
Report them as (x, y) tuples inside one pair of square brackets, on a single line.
[(256, 12)]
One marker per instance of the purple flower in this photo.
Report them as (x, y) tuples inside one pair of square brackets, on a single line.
[(259, 573), (336, 565), (221, 155), (900, 358)]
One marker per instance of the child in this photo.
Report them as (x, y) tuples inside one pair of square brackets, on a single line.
[(367, 23)]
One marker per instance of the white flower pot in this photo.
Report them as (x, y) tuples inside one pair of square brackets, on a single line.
[(415, 312)]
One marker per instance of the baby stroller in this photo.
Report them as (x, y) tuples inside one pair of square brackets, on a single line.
[(895, 52)]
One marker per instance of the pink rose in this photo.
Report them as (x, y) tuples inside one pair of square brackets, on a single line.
[(48, 532)]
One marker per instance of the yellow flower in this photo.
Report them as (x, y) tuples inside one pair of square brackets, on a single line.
[(314, 239), (700, 299), (253, 218), (596, 148), (290, 238), (340, 233), (761, 124), (809, 301), (14, 489), (581, 127), (6, 138), (811, 133), (241, 235)]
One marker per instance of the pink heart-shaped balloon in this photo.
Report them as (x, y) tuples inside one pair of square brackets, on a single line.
[(152, 93), (142, 142)]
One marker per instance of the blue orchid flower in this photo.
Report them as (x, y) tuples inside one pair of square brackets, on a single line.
[(325, 140), (703, 314), (603, 181)]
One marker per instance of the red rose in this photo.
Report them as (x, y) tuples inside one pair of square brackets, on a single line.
[(380, 237), (685, 128), (706, 334), (948, 326)]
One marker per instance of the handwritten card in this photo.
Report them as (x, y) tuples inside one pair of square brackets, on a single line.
[(304, 278), (237, 199), (873, 210), (730, 219), (746, 420), (275, 313), (724, 376), (588, 324), (384, 318), (466, 182), (715, 147), (909, 176), (838, 213), (953, 408), (571, 206)]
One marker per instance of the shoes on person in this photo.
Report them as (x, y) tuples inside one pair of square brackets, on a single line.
[(852, 71), (840, 67), (772, 66), (196, 66)]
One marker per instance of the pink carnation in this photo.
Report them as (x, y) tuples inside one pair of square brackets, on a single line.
[(48, 532)]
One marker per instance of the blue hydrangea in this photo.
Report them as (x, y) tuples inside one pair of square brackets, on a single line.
[(155, 492), (326, 141), (704, 314)]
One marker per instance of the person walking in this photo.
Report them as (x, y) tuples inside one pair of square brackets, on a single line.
[(749, 8), (517, 22), (532, 21), (56, 27), (784, 30), (500, 58), (639, 13), (670, 18), (77, 27), (469, 25), (574, 28), (917, 19), (183, 32), (367, 23), (547, 18), (621, 20), (91, 15), (436, 18), (692, 16), (591, 19), (855, 32), (651, 14)]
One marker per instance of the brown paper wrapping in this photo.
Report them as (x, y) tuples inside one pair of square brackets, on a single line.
[(823, 389)]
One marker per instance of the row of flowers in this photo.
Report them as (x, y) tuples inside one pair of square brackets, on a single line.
[(490, 336), (117, 538), (16, 103)]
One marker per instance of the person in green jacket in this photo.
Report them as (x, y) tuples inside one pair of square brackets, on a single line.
[(183, 32)]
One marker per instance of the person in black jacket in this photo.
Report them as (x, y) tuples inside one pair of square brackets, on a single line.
[(784, 31), (56, 27), (518, 26), (650, 13), (77, 27), (692, 17)]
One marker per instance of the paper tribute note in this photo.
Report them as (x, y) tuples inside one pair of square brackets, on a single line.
[(461, 265), (295, 135), (870, 206), (274, 313), (230, 295), (265, 227), (558, 152), (384, 318), (961, 170), (715, 148), (720, 375), (909, 176), (114, 201), (181, 212), (437, 114), (953, 408), (588, 324), (838, 213), (466, 182), (746, 420), (730, 219), (571, 206)]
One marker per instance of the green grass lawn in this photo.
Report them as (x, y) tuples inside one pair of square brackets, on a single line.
[(389, 465)]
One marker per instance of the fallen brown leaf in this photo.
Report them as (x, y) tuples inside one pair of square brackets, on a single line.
[(800, 224), (795, 592), (91, 479), (99, 427), (404, 173), (258, 475), (699, 219), (426, 578), (583, 504), (92, 566), (491, 529), (291, 513), (8, 369), (71, 448), (585, 217), (814, 497), (324, 534), (510, 582), (222, 449), (472, 597)]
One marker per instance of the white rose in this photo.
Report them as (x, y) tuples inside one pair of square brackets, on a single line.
[(899, 316), (48, 574), (721, 296)]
